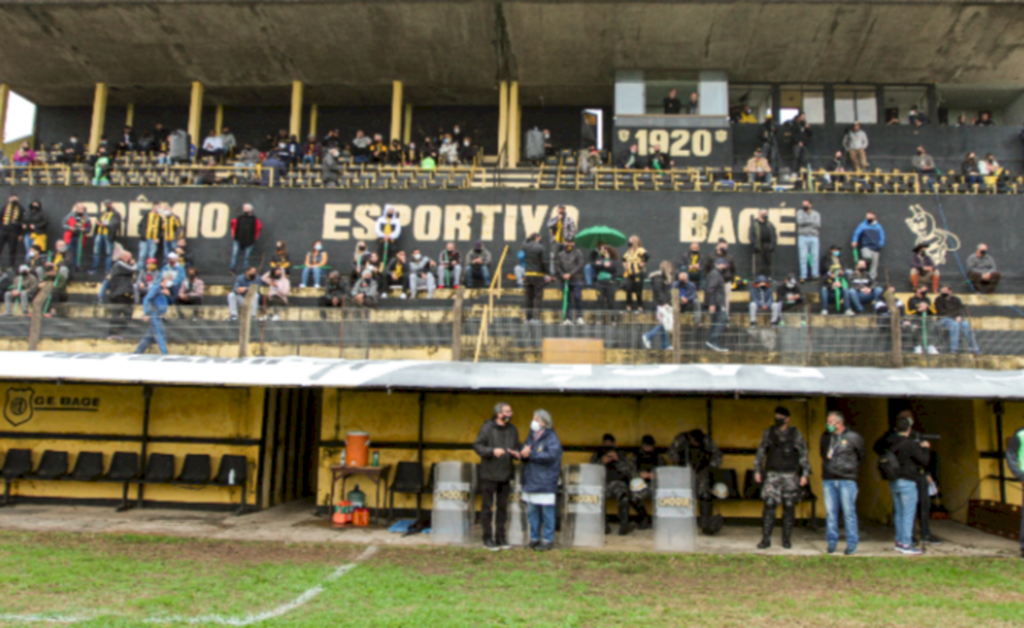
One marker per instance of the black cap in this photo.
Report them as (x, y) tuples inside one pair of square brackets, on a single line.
[(607, 437), (781, 410), (647, 440)]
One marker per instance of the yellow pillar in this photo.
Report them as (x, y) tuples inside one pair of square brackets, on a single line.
[(513, 124), (129, 118), (295, 128), (5, 93), (195, 114), (407, 125), (99, 116), (313, 111), (396, 110), (502, 119), (218, 118)]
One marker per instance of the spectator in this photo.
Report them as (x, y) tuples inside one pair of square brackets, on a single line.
[(728, 274), (659, 160), (24, 156), (294, 150), (834, 292), (918, 308), (173, 228), (478, 265), (277, 296), (148, 273), (692, 263), (228, 143), (808, 224), (917, 117), (449, 152), (213, 146), (311, 150), (688, 298), (990, 169), (631, 160), (378, 150), (76, 227), (758, 169), (316, 260), (150, 232), (429, 161), (693, 106), (863, 290), (331, 168), (35, 225), (535, 276), (984, 119), (412, 155), (364, 291), (590, 160), (154, 308), (519, 269), (240, 290), (763, 240), (856, 144), (715, 296), (108, 230), (146, 142), (569, 268), (248, 156), (788, 297), (467, 151), (868, 240), (102, 168), (245, 231), (388, 229), (191, 290), (185, 258), (913, 458), (120, 292), (671, 103), (982, 270), (57, 274), (23, 284), (127, 141), (634, 269), (562, 228), (361, 148), (12, 221), (359, 259), (661, 290), (542, 463), (449, 268), (396, 273), (953, 318), (334, 293), (762, 300), (970, 170), (800, 136), (395, 155), (838, 162), (924, 165), (281, 259), (332, 139), (922, 268), (747, 116), (421, 274), (275, 167), (74, 151), (963, 121), (842, 452), (172, 266)]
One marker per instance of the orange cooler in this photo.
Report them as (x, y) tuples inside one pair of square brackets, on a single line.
[(357, 449)]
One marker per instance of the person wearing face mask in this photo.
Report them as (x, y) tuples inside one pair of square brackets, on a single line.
[(982, 270), (277, 296), (359, 259), (364, 291), (788, 297), (173, 229), (12, 218), (863, 291), (191, 292), (240, 290), (36, 223), (645, 462), (783, 469), (316, 260), (150, 229), (832, 262), (449, 152), (154, 307), (728, 272), (388, 229), (331, 167), (280, 258), (763, 240), (478, 265), (23, 284), (569, 268), (421, 274), (953, 318), (449, 269), (467, 151), (924, 165), (245, 231), (396, 274), (868, 240), (808, 224), (697, 450), (619, 474), (120, 293), (542, 463), (497, 444), (76, 227), (108, 230), (842, 452), (174, 267)]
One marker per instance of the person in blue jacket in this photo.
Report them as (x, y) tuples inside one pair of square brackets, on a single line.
[(542, 465), (868, 240), (154, 306)]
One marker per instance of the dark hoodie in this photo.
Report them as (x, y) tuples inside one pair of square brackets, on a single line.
[(36, 221)]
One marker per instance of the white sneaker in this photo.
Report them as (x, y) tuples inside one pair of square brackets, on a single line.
[(668, 348), (580, 321), (275, 317), (567, 322), (402, 296), (850, 313), (918, 350), (932, 350), (383, 295), (715, 347), (824, 312), (647, 343)]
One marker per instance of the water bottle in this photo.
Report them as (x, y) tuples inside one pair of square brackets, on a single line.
[(341, 461), (231, 477), (376, 458)]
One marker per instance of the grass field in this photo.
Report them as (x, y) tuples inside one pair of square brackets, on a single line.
[(111, 581)]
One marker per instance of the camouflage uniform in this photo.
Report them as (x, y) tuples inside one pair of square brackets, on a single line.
[(778, 452), (704, 455), (619, 473), (648, 491)]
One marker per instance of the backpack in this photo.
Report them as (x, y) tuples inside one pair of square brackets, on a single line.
[(889, 466)]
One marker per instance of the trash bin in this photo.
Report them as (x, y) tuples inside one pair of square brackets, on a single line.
[(675, 526), (454, 496), (518, 527), (584, 506)]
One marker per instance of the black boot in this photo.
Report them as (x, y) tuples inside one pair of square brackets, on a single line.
[(788, 521), (704, 519), (645, 518), (767, 525), (625, 527)]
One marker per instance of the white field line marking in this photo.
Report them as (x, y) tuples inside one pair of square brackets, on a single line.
[(219, 620)]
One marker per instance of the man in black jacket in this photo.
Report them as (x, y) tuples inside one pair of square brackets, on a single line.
[(121, 292), (535, 276), (12, 218), (924, 503), (842, 452), (496, 444), (763, 240), (913, 460), (953, 317), (782, 467), (715, 296), (569, 268)]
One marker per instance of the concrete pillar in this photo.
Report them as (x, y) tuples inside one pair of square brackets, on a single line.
[(99, 116), (129, 118), (313, 111), (195, 114), (407, 125), (713, 94), (5, 93), (502, 119), (295, 126), (630, 92), (396, 110), (513, 124), (218, 118)]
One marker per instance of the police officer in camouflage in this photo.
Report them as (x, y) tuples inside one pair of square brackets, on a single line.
[(619, 471), (645, 462), (784, 468), (696, 450)]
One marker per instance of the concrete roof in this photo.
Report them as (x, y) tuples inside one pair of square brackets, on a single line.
[(453, 52)]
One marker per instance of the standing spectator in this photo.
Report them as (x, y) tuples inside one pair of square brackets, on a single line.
[(671, 104), (388, 229), (12, 221), (808, 224), (715, 297), (788, 297), (918, 308), (728, 274), (396, 273), (245, 231), (604, 262), (191, 290), (982, 270), (478, 265), (421, 274), (542, 464), (692, 263), (467, 151), (240, 290), (763, 240), (862, 291), (842, 453), (277, 296), (856, 144), (953, 318), (316, 260), (497, 444), (762, 301), (102, 168), (412, 157), (120, 292), (924, 165), (108, 230), (331, 168), (361, 148), (1015, 460), (449, 267), (311, 150), (449, 152), (634, 269), (783, 466), (922, 268), (76, 228), (173, 229), (661, 290), (35, 224), (562, 228), (569, 268), (868, 240), (535, 277), (150, 232), (334, 293), (21, 286), (984, 119), (24, 156), (693, 106), (758, 169), (281, 259), (57, 275), (800, 136), (228, 143), (213, 146), (364, 291), (154, 308), (913, 458)]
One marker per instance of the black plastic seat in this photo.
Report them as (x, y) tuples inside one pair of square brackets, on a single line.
[(124, 467), (159, 469), (88, 467), (195, 470), (17, 465), (52, 466), (234, 471), (408, 481)]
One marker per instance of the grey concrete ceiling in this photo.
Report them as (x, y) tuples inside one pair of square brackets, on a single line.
[(563, 52)]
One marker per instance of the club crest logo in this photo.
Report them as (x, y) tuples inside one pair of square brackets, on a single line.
[(18, 406), (940, 241), (623, 135), (721, 135)]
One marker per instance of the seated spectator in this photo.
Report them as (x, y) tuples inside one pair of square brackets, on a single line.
[(990, 169), (590, 159), (963, 121), (185, 257), (364, 291), (449, 152), (412, 156), (762, 301), (917, 117), (982, 270), (213, 146), (396, 274), (146, 142), (863, 290), (361, 148), (22, 284), (208, 174), (924, 165), (228, 143), (334, 293), (467, 151), (918, 308), (316, 260), (311, 150), (672, 104), (478, 265), (277, 296), (832, 260), (549, 143), (631, 160), (395, 154), (275, 168), (172, 266), (833, 292), (240, 291), (331, 168), (59, 276), (689, 301), (758, 169), (249, 156), (838, 163), (747, 116), (788, 297), (148, 273), (659, 160), (922, 268), (449, 267), (74, 151), (953, 318), (280, 258), (969, 169), (378, 150), (692, 263), (24, 156), (191, 290), (429, 161), (102, 167), (332, 139), (984, 119), (421, 274)]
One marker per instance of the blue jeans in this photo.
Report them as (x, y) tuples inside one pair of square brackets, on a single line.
[(841, 494), (471, 271), (74, 251), (102, 249), (824, 299), (309, 159), (808, 246), (588, 274), (307, 271), (246, 252), (955, 329), (857, 299), (535, 514), (147, 249), (664, 335), (28, 245), (154, 335), (904, 501)]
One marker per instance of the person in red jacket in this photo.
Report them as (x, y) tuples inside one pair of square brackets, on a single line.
[(245, 231)]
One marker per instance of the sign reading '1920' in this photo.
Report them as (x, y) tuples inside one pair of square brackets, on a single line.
[(685, 147)]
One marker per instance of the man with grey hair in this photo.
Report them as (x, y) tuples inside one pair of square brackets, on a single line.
[(542, 464), (842, 452), (154, 307), (496, 444)]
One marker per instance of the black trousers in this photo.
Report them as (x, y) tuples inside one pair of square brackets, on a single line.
[(635, 287), (121, 308), (534, 288), (763, 262), (9, 237), (491, 491), (924, 508)]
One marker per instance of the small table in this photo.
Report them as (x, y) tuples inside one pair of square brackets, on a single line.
[(374, 474)]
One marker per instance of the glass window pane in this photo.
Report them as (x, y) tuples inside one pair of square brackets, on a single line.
[(846, 112), (814, 107), (867, 108)]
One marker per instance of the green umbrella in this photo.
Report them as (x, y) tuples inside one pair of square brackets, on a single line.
[(589, 238)]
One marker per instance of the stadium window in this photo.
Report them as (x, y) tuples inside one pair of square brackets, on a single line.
[(900, 98), (757, 97), (857, 105), (810, 99)]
